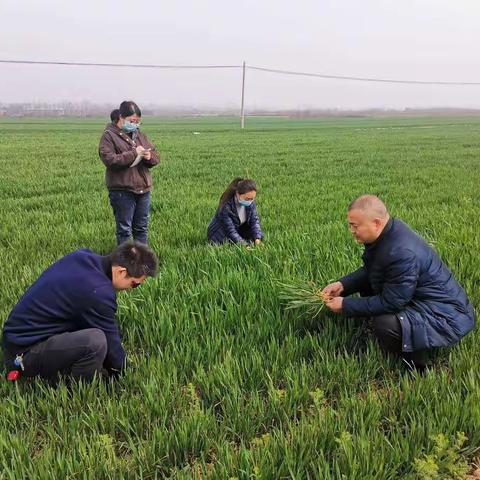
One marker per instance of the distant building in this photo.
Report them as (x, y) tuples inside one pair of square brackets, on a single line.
[(43, 112)]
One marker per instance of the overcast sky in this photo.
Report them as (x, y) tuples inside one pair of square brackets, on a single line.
[(407, 39)]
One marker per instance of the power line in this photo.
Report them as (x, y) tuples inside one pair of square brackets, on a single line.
[(250, 67), (122, 65), (358, 79)]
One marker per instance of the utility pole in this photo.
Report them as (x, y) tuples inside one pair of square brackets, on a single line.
[(242, 110)]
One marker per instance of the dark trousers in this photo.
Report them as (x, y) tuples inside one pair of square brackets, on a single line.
[(388, 330), (78, 354), (131, 214)]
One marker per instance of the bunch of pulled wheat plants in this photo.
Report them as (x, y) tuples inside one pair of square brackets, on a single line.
[(305, 297)]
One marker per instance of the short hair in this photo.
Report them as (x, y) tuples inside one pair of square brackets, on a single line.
[(370, 204), (136, 257)]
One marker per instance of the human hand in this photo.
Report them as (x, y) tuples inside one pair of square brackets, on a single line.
[(140, 150), (335, 304), (147, 154), (333, 290)]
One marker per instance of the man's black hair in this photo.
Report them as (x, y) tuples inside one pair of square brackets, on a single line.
[(136, 257)]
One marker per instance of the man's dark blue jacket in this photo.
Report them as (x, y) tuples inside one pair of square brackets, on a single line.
[(74, 293), (225, 225), (402, 274)]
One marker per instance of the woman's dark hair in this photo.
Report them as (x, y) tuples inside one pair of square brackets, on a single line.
[(128, 108), (239, 185), (136, 257), (115, 115)]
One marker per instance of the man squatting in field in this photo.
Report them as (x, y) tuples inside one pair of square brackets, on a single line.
[(65, 322), (410, 297)]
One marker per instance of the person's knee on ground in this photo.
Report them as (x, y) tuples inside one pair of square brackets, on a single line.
[(388, 331), (78, 354), (94, 353), (417, 360)]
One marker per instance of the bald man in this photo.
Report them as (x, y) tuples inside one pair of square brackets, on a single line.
[(410, 296)]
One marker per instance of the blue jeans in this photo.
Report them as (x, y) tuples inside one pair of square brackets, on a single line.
[(131, 214)]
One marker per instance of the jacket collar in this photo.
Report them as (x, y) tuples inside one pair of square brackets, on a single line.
[(107, 266), (386, 230), (112, 127), (233, 204)]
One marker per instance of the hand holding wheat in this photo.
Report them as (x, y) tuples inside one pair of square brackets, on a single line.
[(305, 296), (334, 289)]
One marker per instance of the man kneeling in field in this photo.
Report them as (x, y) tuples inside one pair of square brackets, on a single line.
[(408, 294), (65, 322)]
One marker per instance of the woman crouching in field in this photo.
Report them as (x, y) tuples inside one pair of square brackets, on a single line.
[(128, 155), (236, 219)]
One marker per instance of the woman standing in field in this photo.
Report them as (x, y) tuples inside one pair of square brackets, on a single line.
[(236, 219), (128, 155)]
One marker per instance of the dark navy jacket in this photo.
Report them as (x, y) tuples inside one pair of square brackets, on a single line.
[(225, 225), (402, 274), (74, 293)]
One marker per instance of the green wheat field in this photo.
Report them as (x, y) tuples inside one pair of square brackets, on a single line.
[(224, 383)]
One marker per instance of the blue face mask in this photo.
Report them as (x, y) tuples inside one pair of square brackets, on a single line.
[(245, 203), (130, 127)]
